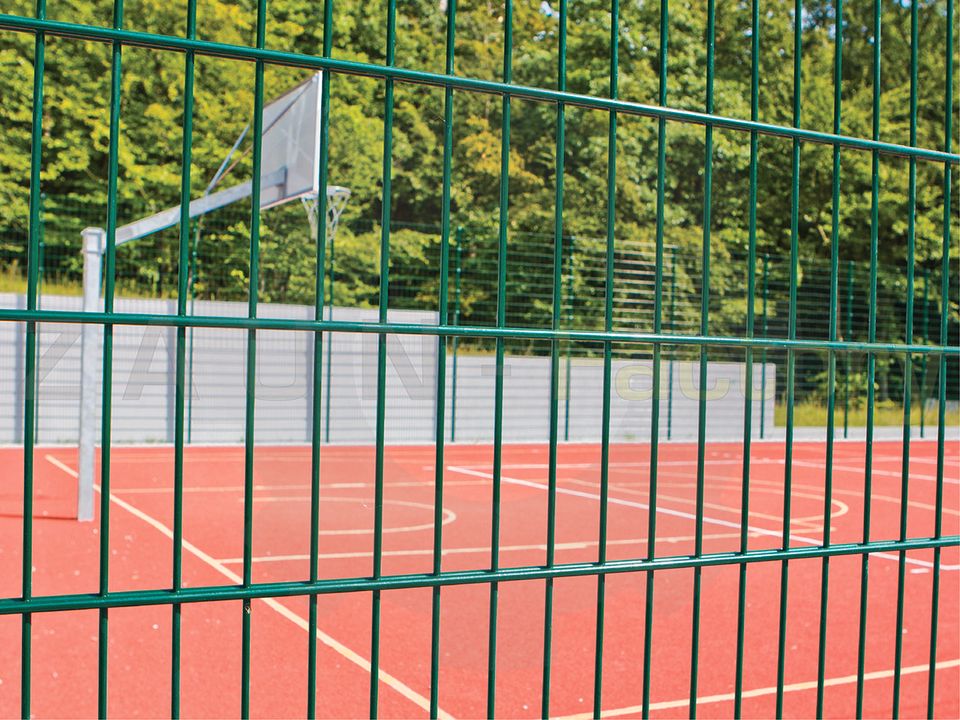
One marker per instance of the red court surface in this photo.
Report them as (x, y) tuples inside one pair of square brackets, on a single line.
[(64, 679)]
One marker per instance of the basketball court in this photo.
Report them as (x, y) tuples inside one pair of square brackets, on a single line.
[(66, 556), (347, 575)]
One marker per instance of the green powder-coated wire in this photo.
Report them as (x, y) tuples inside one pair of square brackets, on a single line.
[(831, 358), (839, 345)]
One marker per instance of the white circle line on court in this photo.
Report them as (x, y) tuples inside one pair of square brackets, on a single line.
[(449, 515), (706, 519), (386, 678)]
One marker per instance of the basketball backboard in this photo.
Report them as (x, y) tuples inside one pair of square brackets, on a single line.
[(289, 166), (290, 170), (291, 144)]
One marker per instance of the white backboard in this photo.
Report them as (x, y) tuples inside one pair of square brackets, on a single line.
[(291, 142), (290, 162)]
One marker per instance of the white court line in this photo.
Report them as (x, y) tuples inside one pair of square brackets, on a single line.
[(685, 515), (583, 545), (874, 471), (300, 486), (760, 692), (612, 464), (449, 515), (221, 488), (709, 461), (354, 657), (767, 486), (812, 523)]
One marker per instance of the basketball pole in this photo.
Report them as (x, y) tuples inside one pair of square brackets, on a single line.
[(94, 240)]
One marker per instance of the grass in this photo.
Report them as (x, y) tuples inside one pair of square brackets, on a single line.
[(886, 413), (13, 281)]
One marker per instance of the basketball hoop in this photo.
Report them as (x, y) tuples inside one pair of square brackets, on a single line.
[(337, 198)]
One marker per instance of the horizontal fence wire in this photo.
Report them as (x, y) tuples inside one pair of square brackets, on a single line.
[(54, 603), (252, 54)]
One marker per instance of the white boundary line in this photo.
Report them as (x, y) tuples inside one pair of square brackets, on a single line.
[(760, 692), (334, 644), (766, 486), (713, 461), (449, 515), (168, 490), (685, 515), (581, 545)]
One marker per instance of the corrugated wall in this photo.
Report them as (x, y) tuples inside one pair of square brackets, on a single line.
[(143, 374)]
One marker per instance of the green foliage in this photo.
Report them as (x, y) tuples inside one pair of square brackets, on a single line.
[(886, 413)]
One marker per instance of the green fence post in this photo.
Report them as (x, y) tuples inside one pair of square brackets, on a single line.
[(763, 358), (498, 388), (846, 375), (673, 299), (924, 330), (942, 364), (326, 414), (41, 245), (749, 327), (704, 331), (456, 340), (569, 302), (194, 267), (42, 226), (29, 400), (610, 257), (180, 346)]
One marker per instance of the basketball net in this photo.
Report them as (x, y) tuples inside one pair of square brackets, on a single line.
[(337, 198)]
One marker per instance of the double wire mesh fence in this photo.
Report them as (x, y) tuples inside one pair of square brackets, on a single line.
[(493, 286)]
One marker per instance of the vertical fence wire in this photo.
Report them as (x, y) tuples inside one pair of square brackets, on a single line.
[(382, 309), (871, 356), (924, 339), (673, 304), (763, 353), (568, 346), (663, 59), (704, 330), (791, 354), (557, 313), (331, 283), (249, 437), (441, 402), (831, 356), (607, 354), (30, 360), (748, 356), (109, 284), (942, 374), (455, 343), (849, 335), (183, 277), (908, 362), (317, 369), (498, 381)]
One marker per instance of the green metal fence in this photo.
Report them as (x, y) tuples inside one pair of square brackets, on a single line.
[(593, 317)]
